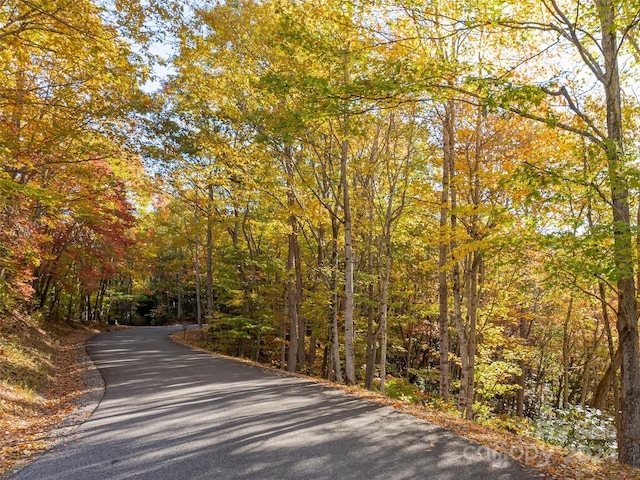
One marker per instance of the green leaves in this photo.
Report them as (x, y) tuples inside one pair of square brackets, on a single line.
[(500, 95)]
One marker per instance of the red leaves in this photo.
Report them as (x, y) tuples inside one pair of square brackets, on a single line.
[(74, 224)]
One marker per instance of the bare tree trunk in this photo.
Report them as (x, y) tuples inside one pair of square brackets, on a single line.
[(473, 300), (292, 304), (312, 354), (294, 276), (335, 338), (463, 343), (100, 304), (565, 356), (372, 333), (259, 335), (476, 267), (606, 384), (614, 356), (283, 328), (209, 315), (384, 307), (372, 344), (179, 281), (588, 365), (197, 263), (392, 214), (302, 323), (609, 381), (70, 307), (443, 287), (130, 302), (522, 378), (627, 325), (349, 327)]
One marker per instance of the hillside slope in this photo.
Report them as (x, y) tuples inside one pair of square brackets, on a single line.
[(43, 368)]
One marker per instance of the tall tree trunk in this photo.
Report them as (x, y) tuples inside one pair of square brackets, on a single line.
[(565, 356), (179, 282), (391, 216), (197, 264), (292, 297), (588, 366), (100, 299), (292, 310), (611, 376), (609, 381), (522, 378), (627, 324), (349, 327), (130, 302), (70, 308), (210, 254), (295, 357), (283, 327), (384, 308), (312, 353), (476, 268), (313, 340), (334, 333), (43, 285), (463, 344), (372, 332), (443, 250), (302, 323), (473, 300)]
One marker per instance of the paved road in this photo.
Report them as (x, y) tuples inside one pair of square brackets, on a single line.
[(174, 413)]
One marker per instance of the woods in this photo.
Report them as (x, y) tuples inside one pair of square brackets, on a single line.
[(441, 194)]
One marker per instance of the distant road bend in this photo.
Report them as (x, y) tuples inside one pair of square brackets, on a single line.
[(173, 413)]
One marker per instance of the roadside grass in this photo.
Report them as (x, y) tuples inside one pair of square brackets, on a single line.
[(39, 381), (553, 462), (26, 363)]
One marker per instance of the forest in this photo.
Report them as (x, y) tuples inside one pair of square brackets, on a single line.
[(433, 197)]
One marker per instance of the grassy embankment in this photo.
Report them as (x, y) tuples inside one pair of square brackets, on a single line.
[(41, 374)]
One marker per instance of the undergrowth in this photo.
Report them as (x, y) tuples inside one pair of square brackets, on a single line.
[(39, 381), (26, 364)]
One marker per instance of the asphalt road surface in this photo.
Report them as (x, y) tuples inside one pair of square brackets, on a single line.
[(173, 413)]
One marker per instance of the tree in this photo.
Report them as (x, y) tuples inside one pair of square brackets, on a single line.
[(598, 34), (317, 118), (70, 86)]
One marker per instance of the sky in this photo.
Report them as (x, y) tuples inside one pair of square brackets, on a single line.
[(160, 72)]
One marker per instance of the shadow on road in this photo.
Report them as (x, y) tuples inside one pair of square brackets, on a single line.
[(174, 413)]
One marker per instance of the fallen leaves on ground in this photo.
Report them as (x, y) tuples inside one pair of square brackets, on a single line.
[(28, 417)]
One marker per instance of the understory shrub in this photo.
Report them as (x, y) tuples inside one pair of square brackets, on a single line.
[(583, 429)]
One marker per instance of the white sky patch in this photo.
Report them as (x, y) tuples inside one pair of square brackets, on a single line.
[(162, 70)]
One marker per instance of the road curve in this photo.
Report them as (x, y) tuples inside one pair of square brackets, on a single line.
[(173, 413)]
